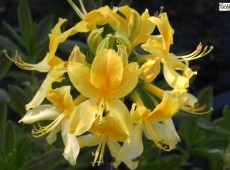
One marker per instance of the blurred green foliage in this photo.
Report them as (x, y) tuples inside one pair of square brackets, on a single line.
[(204, 142)]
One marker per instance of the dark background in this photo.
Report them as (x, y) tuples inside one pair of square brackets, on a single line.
[(192, 21)]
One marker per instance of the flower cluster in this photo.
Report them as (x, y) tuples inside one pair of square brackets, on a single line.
[(117, 98)]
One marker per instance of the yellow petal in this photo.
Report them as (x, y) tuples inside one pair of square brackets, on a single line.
[(62, 99), (116, 124), (42, 112), (139, 114), (119, 112), (79, 75), (165, 29), (150, 70), (56, 37), (163, 133), (114, 148), (101, 16), (155, 47), (72, 149), (106, 70), (88, 140), (145, 30), (168, 107), (83, 117), (174, 79), (133, 147), (52, 76), (128, 82)]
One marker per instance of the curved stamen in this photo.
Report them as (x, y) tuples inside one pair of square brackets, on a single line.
[(82, 7), (198, 53), (197, 109), (160, 143), (42, 66), (76, 9), (42, 130), (99, 154)]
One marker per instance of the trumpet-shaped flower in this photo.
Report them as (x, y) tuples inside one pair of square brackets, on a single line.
[(52, 64), (157, 124), (104, 83), (124, 20), (59, 111), (159, 46), (106, 134)]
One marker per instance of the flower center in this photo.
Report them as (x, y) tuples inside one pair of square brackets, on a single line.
[(103, 110)]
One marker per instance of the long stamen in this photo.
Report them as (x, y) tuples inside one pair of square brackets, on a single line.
[(198, 53), (40, 131), (196, 109), (82, 7), (42, 67), (76, 9), (99, 154), (160, 143)]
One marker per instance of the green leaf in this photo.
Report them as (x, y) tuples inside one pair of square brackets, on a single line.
[(172, 162), (214, 129), (226, 113), (5, 66), (14, 35), (3, 112), (44, 28), (19, 76), (205, 97), (226, 158), (46, 161), (189, 130), (25, 22), (18, 99), (3, 96), (125, 2), (7, 44), (23, 149), (68, 46), (9, 138)]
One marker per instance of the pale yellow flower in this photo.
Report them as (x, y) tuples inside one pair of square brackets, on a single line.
[(59, 111), (52, 64), (189, 103), (157, 124), (104, 135)]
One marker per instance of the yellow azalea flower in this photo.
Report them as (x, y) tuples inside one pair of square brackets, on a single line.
[(52, 64), (114, 148), (157, 124), (137, 28), (104, 83), (159, 46), (59, 111), (125, 20), (189, 103), (101, 16)]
